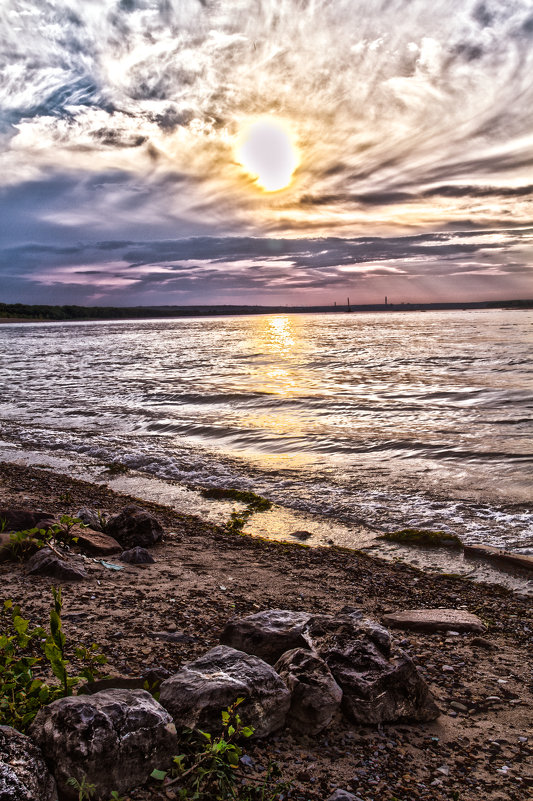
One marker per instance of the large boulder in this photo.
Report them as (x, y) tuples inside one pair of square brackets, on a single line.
[(315, 695), (133, 526), (201, 690), (113, 738), (46, 563), (13, 518), (267, 634), (380, 683), (23, 772)]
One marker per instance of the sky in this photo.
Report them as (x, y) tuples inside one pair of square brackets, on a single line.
[(142, 144)]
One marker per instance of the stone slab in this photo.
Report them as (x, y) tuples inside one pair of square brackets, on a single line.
[(434, 620), (498, 554), (94, 542)]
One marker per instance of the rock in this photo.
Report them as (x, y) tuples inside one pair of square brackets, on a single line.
[(434, 620), (201, 690), (150, 679), (481, 642), (459, 707), (94, 542), (301, 535), (342, 795), (315, 695), (266, 634), (6, 553), (90, 518), (137, 556), (46, 563), (15, 519), (380, 683), (23, 772), (114, 738), (499, 555), (133, 526)]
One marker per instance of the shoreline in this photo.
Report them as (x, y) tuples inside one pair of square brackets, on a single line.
[(203, 576)]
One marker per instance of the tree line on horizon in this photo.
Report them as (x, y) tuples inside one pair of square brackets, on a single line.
[(24, 311)]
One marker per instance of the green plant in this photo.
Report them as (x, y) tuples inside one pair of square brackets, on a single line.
[(84, 788), (23, 543), (23, 691), (209, 766), (253, 503)]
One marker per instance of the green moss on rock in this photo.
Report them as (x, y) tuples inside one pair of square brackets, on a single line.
[(423, 538)]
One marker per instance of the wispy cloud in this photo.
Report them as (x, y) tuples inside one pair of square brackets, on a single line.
[(119, 122)]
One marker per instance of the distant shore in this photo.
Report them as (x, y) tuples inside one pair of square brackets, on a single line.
[(21, 312)]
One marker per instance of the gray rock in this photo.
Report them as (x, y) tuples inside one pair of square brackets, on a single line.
[(14, 519), (201, 690), (23, 772), (267, 634), (380, 683), (90, 518), (315, 695), (46, 563), (342, 795), (133, 526), (435, 620), (137, 556), (114, 738)]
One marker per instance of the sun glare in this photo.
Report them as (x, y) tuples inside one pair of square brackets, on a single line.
[(267, 153)]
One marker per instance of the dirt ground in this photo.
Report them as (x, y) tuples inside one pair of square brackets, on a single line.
[(202, 577)]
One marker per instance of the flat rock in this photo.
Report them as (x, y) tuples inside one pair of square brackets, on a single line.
[(499, 555), (315, 695), (266, 634), (24, 775), (113, 738), (342, 795), (134, 526), (137, 556), (95, 543), (201, 690), (17, 519), (434, 620), (380, 683), (46, 563)]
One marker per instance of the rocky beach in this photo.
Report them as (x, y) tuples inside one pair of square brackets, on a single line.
[(163, 615)]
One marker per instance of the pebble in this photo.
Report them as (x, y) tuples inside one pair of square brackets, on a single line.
[(458, 706), (448, 669)]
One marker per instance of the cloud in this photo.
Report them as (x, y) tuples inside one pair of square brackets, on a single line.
[(119, 121)]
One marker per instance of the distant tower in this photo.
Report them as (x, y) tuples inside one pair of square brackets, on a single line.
[(385, 300), (348, 304)]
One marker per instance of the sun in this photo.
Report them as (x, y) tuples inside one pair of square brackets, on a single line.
[(267, 152)]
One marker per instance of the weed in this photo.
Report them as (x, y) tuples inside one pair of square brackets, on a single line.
[(22, 691), (84, 788), (254, 503), (209, 767)]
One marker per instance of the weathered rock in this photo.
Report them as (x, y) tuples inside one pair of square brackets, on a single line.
[(133, 526), (137, 556), (267, 634), (380, 683), (90, 518), (5, 547), (114, 738), (435, 620), (14, 519), (342, 795), (201, 690), (94, 542), (499, 555), (315, 695), (46, 563), (23, 772)]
